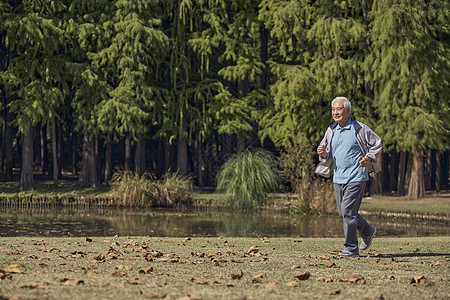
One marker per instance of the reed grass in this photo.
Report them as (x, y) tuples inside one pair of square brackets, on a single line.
[(136, 190), (248, 178)]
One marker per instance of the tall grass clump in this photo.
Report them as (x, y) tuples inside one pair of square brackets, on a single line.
[(140, 191), (248, 177)]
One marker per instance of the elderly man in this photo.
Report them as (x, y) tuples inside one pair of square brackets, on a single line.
[(349, 151)]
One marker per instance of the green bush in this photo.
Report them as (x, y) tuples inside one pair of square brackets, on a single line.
[(141, 191), (248, 177)]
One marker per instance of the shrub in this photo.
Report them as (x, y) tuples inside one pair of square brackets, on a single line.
[(248, 177), (315, 197), (141, 191), (296, 163)]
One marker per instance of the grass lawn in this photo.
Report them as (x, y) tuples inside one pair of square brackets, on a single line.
[(221, 268), (431, 204)]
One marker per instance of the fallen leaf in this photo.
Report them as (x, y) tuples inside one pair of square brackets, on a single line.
[(330, 265), (303, 276), (5, 275), (355, 278), (124, 267), (14, 268), (146, 271), (421, 280), (71, 282), (197, 280), (324, 279), (295, 267), (325, 292), (252, 250), (43, 265), (89, 240), (134, 281), (118, 274), (236, 276)]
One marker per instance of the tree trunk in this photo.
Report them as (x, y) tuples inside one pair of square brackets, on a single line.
[(264, 36), (182, 155), (139, 159), (88, 174), (402, 173), (417, 182), (8, 153), (44, 152), (74, 151), (437, 181), (26, 175), (108, 163), (393, 167), (200, 165), (54, 152), (127, 163), (429, 170), (59, 150)]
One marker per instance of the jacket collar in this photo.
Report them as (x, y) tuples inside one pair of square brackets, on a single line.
[(355, 124)]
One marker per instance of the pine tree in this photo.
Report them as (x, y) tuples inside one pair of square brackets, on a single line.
[(409, 67), (34, 72)]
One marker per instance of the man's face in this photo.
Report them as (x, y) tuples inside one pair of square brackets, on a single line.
[(340, 113)]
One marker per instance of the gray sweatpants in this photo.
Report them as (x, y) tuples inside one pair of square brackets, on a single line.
[(348, 200)]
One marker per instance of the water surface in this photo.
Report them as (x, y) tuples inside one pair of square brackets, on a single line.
[(62, 221)]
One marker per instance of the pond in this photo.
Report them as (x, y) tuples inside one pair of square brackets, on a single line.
[(62, 221)]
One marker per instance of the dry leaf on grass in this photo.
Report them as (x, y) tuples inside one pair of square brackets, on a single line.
[(146, 271), (421, 280), (257, 277), (14, 268), (324, 279), (236, 276), (5, 275), (124, 267), (303, 276), (325, 292), (355, 278), (71, 282)]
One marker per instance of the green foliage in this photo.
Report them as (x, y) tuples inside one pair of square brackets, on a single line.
[(140, 191), (248, 177), (296, 164)]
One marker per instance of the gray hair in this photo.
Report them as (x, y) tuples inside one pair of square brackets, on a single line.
[(347, 103)]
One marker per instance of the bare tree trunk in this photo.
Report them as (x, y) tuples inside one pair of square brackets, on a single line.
[(139, 159), (417, 182), (54, 154), (429, 170), (127, 163), (59, 150), (437, 182), (44, 160), (108, 163), (8, 142), (74, 151), (393, 171), (88, 174), (200, 165), (182, 155), (26, 175), (402, 173)]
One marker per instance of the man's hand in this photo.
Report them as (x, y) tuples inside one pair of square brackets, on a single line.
[(364, 160), (321, 151)]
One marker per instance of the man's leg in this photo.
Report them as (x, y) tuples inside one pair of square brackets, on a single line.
[(351, 201)]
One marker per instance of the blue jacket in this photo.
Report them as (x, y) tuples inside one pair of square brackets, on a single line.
[(368, 141)]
